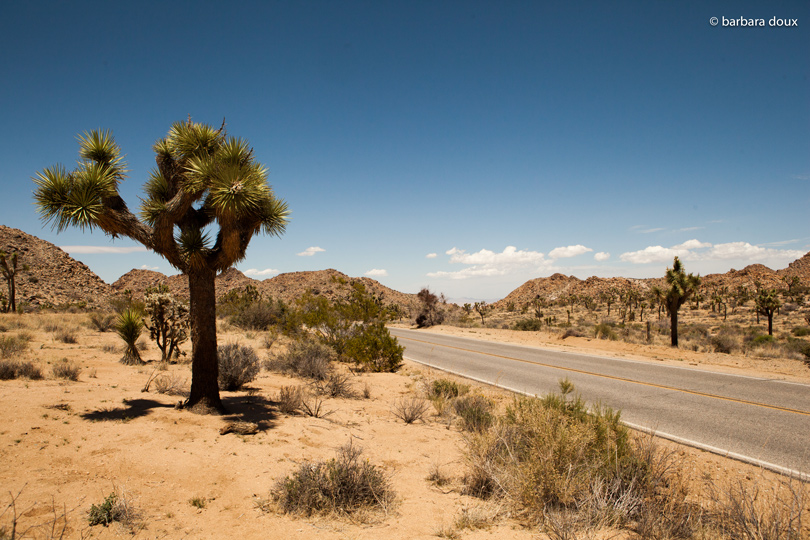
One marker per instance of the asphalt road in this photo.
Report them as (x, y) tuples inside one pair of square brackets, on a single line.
[(762, 421)]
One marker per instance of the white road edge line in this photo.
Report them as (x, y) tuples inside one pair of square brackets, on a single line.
[(798, 475)]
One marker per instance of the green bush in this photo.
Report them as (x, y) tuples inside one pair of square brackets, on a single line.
[(447, 389), (529, 325), (238, 365), (801, 331), (103, 514), (374, 348), (259, 315), (342, 485)]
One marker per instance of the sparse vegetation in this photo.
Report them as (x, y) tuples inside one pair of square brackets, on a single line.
[(17, 369), (102, 321), (305, 358), (238, 365), (409, 409), (345, 485), (13, 345), (66, 369)]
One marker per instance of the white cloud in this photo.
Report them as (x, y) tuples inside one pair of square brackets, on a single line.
[(568, 251), (376, 272), (653, 254), (648, 231), (489, 263), (687, 229), (310, 251), (257, 272), (695, 250), (601, 256), (102, 249), (431, 255), (692, 244), (147, 267)]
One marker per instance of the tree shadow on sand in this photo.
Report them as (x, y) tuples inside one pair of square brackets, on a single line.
[(251, 408), (133, 408)]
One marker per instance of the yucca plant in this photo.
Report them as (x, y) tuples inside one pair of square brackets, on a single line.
[(129, 327), (203, 179)]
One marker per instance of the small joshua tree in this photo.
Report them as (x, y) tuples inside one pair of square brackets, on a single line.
[(8, 267), (680, 286), (167, 322), (767, 302), (129, 327), (483, 309)]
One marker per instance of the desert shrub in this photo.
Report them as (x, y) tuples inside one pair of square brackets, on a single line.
[(799, 346), (116, 507), (343, 485), (760, 340), (312, 405), (13, 369), (306, 358), (801, 331), (724, 342), (102, 321), (549, 453), (603, 330), (66, 369), (529, 325), (373, 348), (259, 315), (12, 345), (475, 412), (66, 335), (238, 365), (572, 332), (445, 388), (409, 410), (289, 399)]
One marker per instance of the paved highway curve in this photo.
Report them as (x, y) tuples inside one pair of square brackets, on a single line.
[(759, 420)]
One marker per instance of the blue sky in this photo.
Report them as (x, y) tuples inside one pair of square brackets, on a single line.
[(465, 146)]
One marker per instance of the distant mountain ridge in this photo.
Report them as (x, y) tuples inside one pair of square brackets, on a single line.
[(56, 278)]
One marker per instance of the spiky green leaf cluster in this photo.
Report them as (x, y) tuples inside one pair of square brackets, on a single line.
[(680, 285), (79, 197)]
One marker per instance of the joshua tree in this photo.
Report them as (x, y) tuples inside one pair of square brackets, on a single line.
[(767, 302), (8, 267), (483, 309), (203, 179), (680, 287)]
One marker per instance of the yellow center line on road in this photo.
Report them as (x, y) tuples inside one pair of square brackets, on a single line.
[(624, 379)]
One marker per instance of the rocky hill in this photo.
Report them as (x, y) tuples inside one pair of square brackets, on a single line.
[(53, 277), (287, 287), (558, 286)]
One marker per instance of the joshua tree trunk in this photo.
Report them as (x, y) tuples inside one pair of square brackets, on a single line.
[(204, 397), (673, 327)]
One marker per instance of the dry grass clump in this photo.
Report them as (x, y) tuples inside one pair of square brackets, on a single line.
[(474, 411), (289, 399), (66, 335), (14, 369), (409, 409), (336, 385), (170, 384), (66, 369), (344, 485), (14, 345)]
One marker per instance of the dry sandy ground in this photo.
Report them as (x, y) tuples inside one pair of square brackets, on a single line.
[(67, 445)]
